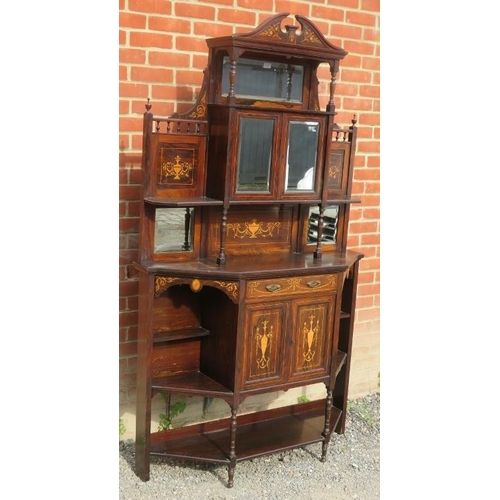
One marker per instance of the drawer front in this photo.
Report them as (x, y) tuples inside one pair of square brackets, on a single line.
[(291, 286)]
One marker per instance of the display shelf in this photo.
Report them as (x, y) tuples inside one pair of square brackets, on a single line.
[(193, 383), (277, 430), (160, 337), (200, 201)]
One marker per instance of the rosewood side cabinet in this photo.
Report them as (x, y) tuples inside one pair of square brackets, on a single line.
[(245, 282)]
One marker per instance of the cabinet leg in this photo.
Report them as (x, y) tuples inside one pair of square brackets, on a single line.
[(326, 431), (232, 449)]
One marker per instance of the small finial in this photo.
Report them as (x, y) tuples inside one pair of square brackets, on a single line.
[(148, 106), (354, 120)]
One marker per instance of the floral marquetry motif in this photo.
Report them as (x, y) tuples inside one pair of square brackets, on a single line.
[(253, 229), (176, 170), (162, 283), (230, 287), (291, 286)]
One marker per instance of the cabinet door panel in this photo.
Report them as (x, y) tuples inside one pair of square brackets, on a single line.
[(311, 337), (264, 334)]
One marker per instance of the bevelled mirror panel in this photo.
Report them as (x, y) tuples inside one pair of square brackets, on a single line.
[(254, 155), (265, 80), (301, 155), (174, 229)]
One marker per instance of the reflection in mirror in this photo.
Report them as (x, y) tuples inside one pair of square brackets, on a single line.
[(264, 80), (301, 155), (254, 155), (174, 229), (330, 220)]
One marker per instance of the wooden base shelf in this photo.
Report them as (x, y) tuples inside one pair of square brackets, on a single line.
[(195, 383), (277, 432), (179, 335)]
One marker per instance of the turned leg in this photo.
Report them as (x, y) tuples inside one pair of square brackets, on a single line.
[(326, 431), (232, 449)]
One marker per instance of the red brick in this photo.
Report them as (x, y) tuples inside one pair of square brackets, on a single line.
[(370, 91), (194, 10), (370, 239), (169, 59), (128, 288), (363, 227), (132, 20), (141, 39), (328, 13), (169, 24), (130, 192), (128, 349), (134, 90), (123, 72), (148, 74), (345, 31), (355, 17), (370, 5), (150, 6), (132, 56), (369, 146), (367, 174), (194, 43), (236, 16)]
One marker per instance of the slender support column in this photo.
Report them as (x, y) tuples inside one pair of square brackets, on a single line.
[(318, 252), (187, 224), (232, 449), (222, 249), (326, 431)]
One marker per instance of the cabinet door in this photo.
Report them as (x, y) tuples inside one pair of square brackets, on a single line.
[(311, 337), (263, 354)]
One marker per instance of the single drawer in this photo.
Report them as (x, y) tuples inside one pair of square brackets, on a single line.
[(289, 286)]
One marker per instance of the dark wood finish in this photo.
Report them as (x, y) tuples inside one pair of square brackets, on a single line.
[(247, 304)]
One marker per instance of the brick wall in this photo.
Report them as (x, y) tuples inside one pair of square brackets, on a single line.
[(162, 55)]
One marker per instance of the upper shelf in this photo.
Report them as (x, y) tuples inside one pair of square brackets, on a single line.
[(182, 202)]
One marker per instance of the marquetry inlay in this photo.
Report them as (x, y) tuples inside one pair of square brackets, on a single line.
[(161, 283), (310, 332), (253, 229), (263, 339), (291, 286), (176, 170), (201, 109), (230, 287), (310, 36), (196, 285), (333, 171)]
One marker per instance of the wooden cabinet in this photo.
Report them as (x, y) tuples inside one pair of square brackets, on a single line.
[(245, 282)]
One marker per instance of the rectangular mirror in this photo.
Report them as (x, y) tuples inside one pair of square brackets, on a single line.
[(301, 155), (330, 221), (254, 154), (173, 229), (265, 80)]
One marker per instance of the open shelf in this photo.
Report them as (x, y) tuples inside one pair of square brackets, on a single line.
[(274, 431), (182, 202), (180, 335), (195, 383)]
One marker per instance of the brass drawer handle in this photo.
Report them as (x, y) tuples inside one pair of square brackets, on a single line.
[(313, 283), (273, 288)]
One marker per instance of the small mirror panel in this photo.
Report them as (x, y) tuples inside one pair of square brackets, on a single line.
[(174, 229), (264, 80), (330, 221), (301, 155), (254, 154)]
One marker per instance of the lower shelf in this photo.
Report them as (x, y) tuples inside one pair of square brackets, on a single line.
[(257, 434)]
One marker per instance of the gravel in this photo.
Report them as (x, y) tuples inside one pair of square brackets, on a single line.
[(351, 471)]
